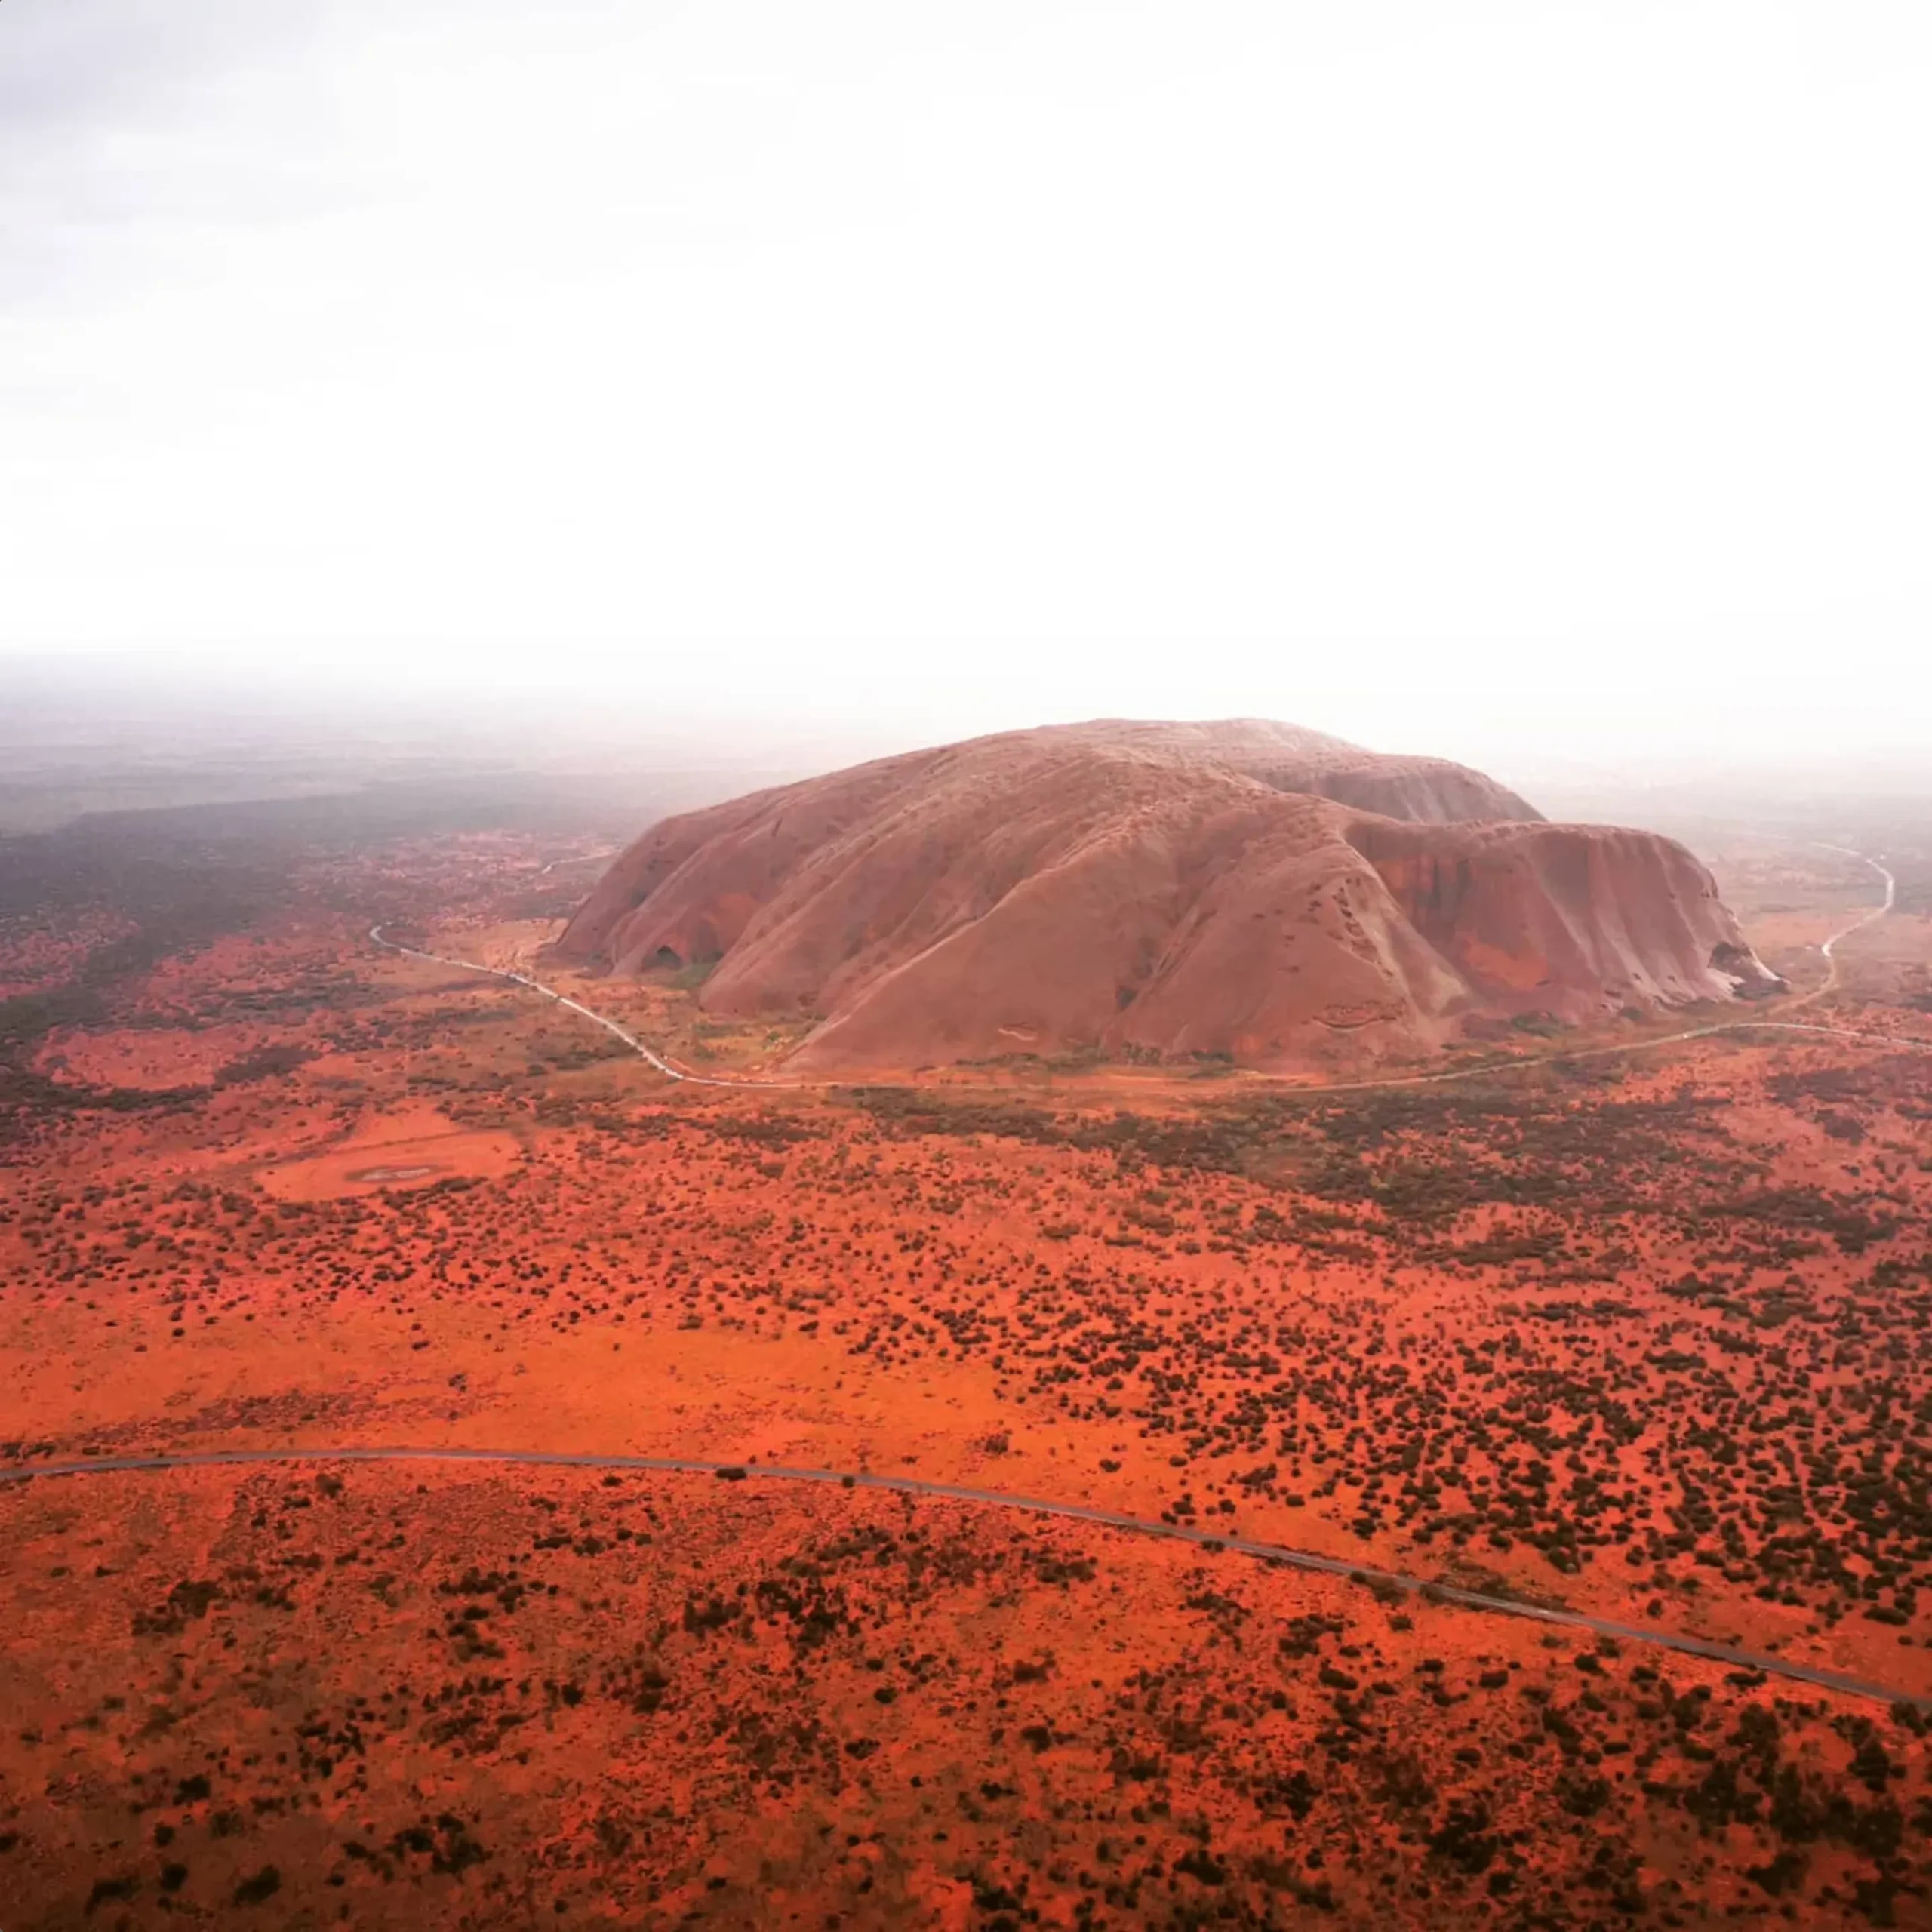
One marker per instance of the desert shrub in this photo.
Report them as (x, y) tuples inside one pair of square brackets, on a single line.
[(260, 1889)]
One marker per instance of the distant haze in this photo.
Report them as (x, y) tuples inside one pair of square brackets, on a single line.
[(1519, 383)]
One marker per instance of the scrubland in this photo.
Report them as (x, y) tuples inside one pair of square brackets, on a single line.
[(1643, 1336)]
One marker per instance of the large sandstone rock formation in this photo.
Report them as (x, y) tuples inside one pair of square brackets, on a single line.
[(1244, 889)]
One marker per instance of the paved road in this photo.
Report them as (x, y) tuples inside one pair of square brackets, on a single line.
[(582, 859), (1112, 1519), (1830, 949), (1482, 1071), (523, 980)]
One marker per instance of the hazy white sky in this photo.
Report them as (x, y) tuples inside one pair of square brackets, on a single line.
[(1446, 374)]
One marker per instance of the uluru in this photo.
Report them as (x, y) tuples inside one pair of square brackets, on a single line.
[(1245, 890)]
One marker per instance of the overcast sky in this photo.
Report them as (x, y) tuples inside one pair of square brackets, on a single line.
[(1446, 374)]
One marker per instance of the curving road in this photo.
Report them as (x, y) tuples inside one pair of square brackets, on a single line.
[(1112, 1519), (523, 980), (1830, 949), (1485, 1070)]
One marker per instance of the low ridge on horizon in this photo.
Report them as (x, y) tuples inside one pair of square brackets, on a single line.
[(1152, 890)]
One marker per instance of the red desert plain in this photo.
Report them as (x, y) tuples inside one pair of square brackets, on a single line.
[(1181, 1327)]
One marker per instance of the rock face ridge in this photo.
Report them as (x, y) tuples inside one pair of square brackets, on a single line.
[(1244, 889)]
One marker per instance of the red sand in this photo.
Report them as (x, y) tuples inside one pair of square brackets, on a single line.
[(475, 1699), (1647, 1338)]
